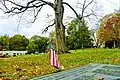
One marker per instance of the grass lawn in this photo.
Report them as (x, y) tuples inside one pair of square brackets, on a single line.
[(27, 66)]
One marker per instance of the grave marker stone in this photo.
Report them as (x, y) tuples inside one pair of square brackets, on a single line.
[(89, 72)]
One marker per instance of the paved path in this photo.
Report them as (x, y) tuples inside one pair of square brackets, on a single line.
[(89, 72)]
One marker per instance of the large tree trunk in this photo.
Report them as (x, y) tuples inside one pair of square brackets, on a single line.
[(59, 27)]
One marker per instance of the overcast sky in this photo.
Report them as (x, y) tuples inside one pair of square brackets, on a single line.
[(9, 26)]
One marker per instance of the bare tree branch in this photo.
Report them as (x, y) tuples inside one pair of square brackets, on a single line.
[(48, 3), (19, 22), (35, 16), (73, 10), (87, 11), (37, 5), (89, 14), (46, 29), (20, 8), (83, 7), (88, 4)]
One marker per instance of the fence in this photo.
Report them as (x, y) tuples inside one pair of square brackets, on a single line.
[(11, 53)]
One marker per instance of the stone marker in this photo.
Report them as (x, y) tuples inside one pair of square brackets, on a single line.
[(89, 72)]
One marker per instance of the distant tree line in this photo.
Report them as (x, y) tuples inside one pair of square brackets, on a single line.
[(21, 43)]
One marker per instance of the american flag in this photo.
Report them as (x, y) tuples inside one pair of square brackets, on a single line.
[(53, 57)]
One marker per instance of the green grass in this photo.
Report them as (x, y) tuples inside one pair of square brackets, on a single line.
[(27, 66)]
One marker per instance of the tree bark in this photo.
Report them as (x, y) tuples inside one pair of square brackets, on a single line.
[(59, 27)]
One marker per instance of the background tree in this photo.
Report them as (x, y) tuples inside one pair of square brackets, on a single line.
[(41, 42), (36, 6), (32, 47), (4, 40), (109, 29), (18, 42), (78, 35)]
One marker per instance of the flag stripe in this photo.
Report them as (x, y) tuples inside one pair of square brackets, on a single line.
[(53, 57), (51, 54)]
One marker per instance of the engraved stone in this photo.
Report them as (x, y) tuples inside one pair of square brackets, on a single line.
[(89, 72)]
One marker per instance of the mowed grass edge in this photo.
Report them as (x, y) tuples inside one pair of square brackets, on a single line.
[(27, 66)]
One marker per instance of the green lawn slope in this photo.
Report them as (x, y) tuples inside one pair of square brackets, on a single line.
[(27, 66)]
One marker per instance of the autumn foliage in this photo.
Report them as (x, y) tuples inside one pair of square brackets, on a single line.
[(109, 29)]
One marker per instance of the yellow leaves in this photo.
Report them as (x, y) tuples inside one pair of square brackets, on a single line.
[(62, 67), (109, 28), (37, 65), (4, 79)]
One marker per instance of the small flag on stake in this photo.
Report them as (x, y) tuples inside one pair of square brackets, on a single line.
[(53, 57)]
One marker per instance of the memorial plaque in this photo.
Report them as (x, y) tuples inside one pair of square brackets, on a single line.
[(89, 72)]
